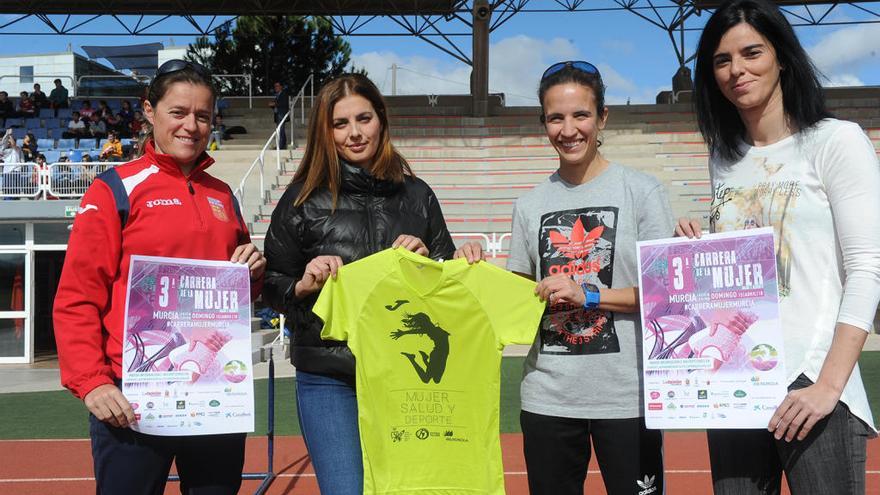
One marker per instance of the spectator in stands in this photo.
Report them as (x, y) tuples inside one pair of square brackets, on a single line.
[(103, 110), (9, 150), (779, 159), (136, 126), (86, 110), (39, 98), (115, 123), (7, 109), (58, 96), (126, 112), (26, 107), (322, 222), (218, 133), (112, 151), (88, 309), (97, 127), (600, 209), (280, 106), (29, 147), (10, 156), (76, 127), (39, 165)]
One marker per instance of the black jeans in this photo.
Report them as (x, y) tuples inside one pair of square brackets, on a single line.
[(131, 463), (557, 452), (831, 460)]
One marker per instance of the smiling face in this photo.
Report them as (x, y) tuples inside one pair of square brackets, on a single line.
[(182, 122), (747, 70), (356, 130), (572, 122)]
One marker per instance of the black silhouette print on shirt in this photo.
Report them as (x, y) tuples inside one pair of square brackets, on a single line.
[(435, 362)]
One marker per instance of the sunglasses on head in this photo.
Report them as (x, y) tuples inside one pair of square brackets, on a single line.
[(177, 65), (580, 65)]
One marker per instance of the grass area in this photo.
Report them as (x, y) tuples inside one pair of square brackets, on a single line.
[(60, 415)]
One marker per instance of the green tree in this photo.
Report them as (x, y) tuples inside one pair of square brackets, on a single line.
[(272, 48)]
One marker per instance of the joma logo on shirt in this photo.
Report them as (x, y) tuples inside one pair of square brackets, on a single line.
[(163, 202)]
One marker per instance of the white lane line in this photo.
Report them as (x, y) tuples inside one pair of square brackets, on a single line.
[(311, 475)]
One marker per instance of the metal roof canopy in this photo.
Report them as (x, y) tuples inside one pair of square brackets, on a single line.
[(433, 21), (143, 58), (230, 7)]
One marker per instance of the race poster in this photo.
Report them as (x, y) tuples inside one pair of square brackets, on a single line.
[(187, 366), (712, 342)]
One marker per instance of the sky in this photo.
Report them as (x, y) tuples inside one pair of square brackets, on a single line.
[(637, 59)]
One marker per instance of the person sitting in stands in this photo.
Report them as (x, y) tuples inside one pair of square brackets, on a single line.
[(29, 147), (97, 127), (136, 126), (76, 127), (126, 112), (103, 110), (114, 122), (39, 98), (112, 151), (86, 110), (6, 107), (58, 96), (26, 107)]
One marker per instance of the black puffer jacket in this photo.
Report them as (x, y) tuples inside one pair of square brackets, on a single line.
[(370, 214)]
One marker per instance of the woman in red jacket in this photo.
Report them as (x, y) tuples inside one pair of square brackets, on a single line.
[(161, 204)]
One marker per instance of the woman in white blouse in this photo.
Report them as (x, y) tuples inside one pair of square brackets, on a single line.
[(778, 159)]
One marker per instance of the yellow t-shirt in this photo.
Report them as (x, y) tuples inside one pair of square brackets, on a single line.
[(427, 338)]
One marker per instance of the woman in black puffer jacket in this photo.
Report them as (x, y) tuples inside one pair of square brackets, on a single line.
[(353, 195)]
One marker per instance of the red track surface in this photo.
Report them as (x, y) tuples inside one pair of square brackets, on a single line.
[(30, 467)]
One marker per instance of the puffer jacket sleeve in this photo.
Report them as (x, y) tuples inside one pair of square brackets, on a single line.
[(286, 262), (440, 245)]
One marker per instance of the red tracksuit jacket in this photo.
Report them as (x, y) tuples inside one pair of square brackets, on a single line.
[(170, 215)]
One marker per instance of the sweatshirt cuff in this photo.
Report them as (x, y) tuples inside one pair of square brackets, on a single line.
[(82, 390)]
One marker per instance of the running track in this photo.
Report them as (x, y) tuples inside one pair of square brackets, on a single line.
[(29, 467)]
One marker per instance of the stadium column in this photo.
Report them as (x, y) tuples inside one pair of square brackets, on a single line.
[(480, 58)]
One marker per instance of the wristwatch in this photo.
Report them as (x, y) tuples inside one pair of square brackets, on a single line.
[(591, 296)]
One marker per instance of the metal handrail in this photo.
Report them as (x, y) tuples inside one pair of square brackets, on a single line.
[(301, 97), (20, 180), (75, 180), (276, 138), (48, 77), (249, 85)]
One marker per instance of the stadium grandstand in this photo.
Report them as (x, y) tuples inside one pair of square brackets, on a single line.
[(476, 152)]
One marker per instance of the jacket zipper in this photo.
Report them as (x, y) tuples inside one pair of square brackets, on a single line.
[(192, 192), (370, 235)]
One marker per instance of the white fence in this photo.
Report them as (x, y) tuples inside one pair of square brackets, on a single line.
[(57, 180)]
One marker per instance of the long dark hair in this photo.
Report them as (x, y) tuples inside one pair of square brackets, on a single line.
[(802, 98), (320, 166)]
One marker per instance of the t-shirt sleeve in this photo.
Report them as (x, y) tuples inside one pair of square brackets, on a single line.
[(849, 169), (510, 303), (519, 259), (655, 215), (337, 305)]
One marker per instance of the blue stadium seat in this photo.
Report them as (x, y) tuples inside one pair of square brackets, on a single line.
[(33, 123), (53, 123), (14, 122), (47, 113), (40, 132), (52, 156), (64, 113), (102, 142), (75, 155), (19, 132), (45, 144), (66, 144)]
